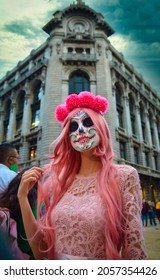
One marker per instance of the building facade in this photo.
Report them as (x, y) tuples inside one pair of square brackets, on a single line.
[(78, 56)]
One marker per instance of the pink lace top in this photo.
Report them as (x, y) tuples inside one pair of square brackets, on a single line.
[(80, 218)]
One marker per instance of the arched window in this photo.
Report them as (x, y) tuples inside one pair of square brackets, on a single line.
[(19, 115), (35, 107), (143, 125), (21, 102), (119, 106), (155, 158), (122, 148), (136, 155), (38, 92), (79, 81), (32, 149), (132, 114), (151, 124), (7, 110), (147, 161), (158, 127)]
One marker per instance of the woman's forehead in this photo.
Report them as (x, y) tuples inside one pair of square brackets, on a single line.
[(79, 115)]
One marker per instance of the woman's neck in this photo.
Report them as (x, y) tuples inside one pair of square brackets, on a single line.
[(89, 164)]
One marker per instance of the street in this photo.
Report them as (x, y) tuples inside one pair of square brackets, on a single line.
[(152, 239)]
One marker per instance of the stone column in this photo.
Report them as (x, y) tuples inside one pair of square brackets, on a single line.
[(139, 133), (158, 161), (138, 122), (11, 130), (127, 119), (127, 125), (155, 129), (152, 163), (93, 86), (142, 156), (148, 131), (1, 123), (26, 122), (149, 138)]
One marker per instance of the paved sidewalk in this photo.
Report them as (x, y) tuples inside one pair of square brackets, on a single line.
[(152, 239)]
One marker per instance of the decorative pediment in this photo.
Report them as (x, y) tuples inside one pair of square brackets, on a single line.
[(79, 9)]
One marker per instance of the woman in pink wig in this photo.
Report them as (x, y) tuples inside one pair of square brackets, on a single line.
[(93, 207)]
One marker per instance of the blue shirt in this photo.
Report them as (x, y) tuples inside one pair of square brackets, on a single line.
[(6, 176)]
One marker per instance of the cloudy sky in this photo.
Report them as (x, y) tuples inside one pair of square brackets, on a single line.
[(136, 24)]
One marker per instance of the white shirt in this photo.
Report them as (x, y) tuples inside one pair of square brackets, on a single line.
[(6, 176)]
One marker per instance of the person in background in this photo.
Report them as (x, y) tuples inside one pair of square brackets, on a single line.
[(8, 164), (144, 212), (158, 209), (152, 213), (9, 201), (93, 206)]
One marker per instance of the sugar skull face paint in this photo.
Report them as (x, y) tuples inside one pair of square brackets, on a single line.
[(82, 132)]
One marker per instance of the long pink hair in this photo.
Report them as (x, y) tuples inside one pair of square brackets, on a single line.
[(61, 171)]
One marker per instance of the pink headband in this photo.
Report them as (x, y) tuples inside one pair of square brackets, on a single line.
[(84, 99)]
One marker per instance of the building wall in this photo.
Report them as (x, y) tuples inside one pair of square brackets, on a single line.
[(79, 41)]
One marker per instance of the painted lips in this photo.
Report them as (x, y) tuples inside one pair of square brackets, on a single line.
[(84, 139)]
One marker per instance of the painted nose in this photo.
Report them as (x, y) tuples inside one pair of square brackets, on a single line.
[(81, 130)]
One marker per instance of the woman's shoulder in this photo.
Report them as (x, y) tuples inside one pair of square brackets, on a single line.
[(125, 170), (127, 176)]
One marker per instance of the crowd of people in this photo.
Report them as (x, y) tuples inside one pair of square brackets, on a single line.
[(80, 205), (150, 212)]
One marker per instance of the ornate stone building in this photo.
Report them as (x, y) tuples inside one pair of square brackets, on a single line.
[(79, 56)]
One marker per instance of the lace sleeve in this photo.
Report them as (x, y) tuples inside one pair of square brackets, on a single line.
[(133, 245)]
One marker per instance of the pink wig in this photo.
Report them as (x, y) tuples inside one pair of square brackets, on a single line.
[(60, 173)]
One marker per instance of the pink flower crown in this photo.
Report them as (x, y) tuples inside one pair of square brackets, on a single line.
[(84, 99)]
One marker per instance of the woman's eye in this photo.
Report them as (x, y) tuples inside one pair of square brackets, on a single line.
[(73, 127), (87, 122)]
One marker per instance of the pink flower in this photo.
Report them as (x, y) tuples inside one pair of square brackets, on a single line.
[(101, 104), (61, 112), (86, 100), (72, 102)]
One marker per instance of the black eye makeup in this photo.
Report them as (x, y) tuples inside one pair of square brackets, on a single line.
[(87, 122), (73, 126)]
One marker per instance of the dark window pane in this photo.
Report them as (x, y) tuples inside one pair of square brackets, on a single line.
[(32, 149), (122, 147), (35, 118), (78, 82)]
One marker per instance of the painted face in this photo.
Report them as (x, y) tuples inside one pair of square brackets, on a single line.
[(82, 132)]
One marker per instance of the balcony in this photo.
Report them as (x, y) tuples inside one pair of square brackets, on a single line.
[(122, 130), (74, 58)]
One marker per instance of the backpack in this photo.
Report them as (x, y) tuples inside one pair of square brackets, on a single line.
[(9, 228)]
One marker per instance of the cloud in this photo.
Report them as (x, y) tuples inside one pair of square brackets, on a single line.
[(23, 28), (17, 39), (139, 19)]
